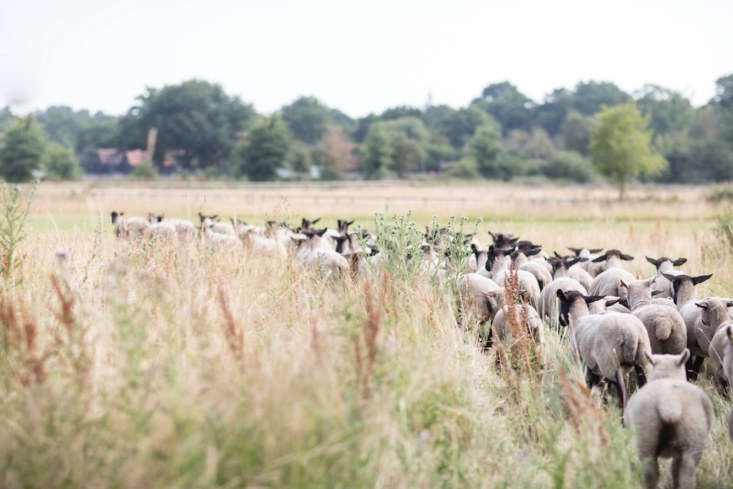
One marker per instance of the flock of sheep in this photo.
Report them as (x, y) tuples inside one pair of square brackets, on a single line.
[(616, 323)]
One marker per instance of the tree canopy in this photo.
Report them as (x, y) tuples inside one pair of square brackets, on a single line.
[(264, 151), (306, 118)]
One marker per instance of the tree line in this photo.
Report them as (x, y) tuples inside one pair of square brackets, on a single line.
[(655, 134)]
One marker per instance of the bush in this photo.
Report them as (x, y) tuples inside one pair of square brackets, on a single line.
[(61, 164), (467, 168), (569, 166), (145, 171), (722, 194)]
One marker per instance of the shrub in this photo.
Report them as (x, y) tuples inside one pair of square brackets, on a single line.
[(569, 166), (145, 171)]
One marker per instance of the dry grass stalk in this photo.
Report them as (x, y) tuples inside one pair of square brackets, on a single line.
[(583, 412), (73, 347), (232, 331), (523, 350), (20, 338), (369, 331)]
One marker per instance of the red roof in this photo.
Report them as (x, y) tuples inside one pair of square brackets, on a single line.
[(136, 156)]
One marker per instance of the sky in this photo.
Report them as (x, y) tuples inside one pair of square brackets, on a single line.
[(360, 57)]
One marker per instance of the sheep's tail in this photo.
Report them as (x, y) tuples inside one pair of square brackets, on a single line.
[(663, 328), (670, 410)]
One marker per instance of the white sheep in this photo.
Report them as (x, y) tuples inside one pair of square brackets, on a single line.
[(208, 236), (586, 263), (721, 355), (666, 328), (216, 226), (548, 297), (483, 294), (128, 227), (609, 281), (605, 343), (662, 285), (671, 418)]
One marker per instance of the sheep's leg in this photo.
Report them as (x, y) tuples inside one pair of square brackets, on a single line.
[(489, 339), (651, 473), (683, 471), (693, 367), (640, 376), (621, 388), (591, 379)]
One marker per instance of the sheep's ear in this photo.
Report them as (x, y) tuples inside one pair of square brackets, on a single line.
[(623, 284), (595, 250), (684, 356), (652, 261), (589, 299), (349, 223), (657, 292), (624, 302), (679, 261), (700, 279), (599, 259), (557, 255), (649, 358), (474, 250), (673, 278), (729, 304), (532, 252), (574, 250), (610, 302), (561, 294), (315, 220), (625, 257), (572, 262), (702, 305), (322, 231)]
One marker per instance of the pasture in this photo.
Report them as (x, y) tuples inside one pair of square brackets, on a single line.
[(129, 365)]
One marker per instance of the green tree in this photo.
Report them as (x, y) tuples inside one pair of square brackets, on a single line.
[(456, 125), (510, 107), (407, 155), (576, 132), (306, 118), (377, 153), (552, 112), (568, 165), (265, 150), (589, 97), (23, 150), (6, 118), (621, 146), (195, 116), (485, 148), (60, 163), (667, 110)]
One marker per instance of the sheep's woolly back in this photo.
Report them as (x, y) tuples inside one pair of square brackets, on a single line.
[(607, 283)]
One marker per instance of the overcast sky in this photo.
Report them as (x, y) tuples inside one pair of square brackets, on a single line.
[(356, 56)]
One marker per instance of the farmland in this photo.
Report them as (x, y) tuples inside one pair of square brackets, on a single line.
[(130, 365)]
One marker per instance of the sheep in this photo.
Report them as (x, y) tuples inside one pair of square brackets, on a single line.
[(671, 418), (612, 259), (534, 267), (161, 231), (128, 227), (602, 306), (217, 227), (666, 328), (184, 230), (587, 256), (721, 355), (262, 245), (548, 308), (605, 343), (485, 295), (218, 239), (496, 268), (665, 265), (316, 251), (525, 315), (608, 282), (565, 266)]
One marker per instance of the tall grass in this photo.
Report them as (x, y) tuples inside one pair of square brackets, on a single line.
[(131, 366)]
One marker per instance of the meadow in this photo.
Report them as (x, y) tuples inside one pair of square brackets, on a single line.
[(125, 365)]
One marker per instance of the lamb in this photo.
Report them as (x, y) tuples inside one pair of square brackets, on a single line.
[(721, 356), (671, 418), (605, 343), (608, 282), (666, 328), (128, 227), (665, 265)]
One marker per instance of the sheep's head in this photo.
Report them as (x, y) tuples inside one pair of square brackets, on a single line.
[(684, 283), (307, 224), (211, 218), (638, 291), (114, 215), (668, 366), (664, 264), (714, 311), (560, 262), (343, 225), (575, 302), (501, 255), (611, 254), (503, 241), (584, 252)]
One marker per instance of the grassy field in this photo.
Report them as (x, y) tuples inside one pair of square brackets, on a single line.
[(129, 366)]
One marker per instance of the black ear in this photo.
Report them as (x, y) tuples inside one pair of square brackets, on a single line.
[(595, 250), (729, 304), (557, 255), (589, 299), (657, 292), (349, 223), (701, 305), (679, 261), (626, 257), (315, 220), (321, 232), (623, 284), (474, 250), (561, 295), (215, 217), (532, 252), (625, 303), (611, 302), (574, 250), (700, 279), (652, 261), (673, 278), (599, 259), (572, 262), (113, 215)]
